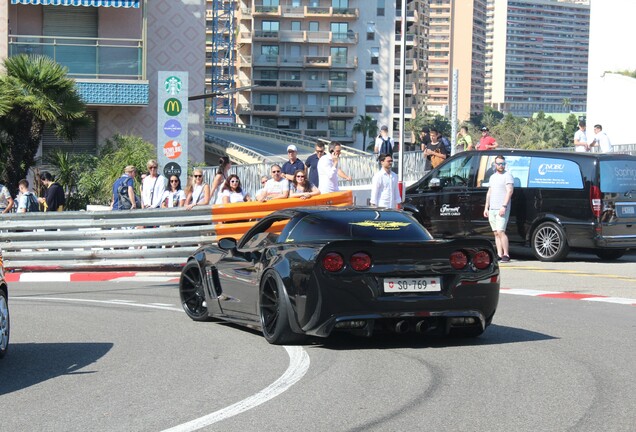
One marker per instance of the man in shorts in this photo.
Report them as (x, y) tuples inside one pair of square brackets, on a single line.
[(497, 209)]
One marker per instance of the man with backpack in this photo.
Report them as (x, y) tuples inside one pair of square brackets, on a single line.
[(123, 191), (384, 143), (28, 202)]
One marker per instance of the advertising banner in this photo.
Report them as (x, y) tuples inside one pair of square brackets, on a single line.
[(172, 124)]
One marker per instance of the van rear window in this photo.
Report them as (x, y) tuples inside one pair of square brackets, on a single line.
[(618, 176)]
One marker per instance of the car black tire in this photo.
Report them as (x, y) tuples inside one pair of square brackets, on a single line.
[(610, 254), (274, 312), (192, 292), (549, 243), (5, 324)]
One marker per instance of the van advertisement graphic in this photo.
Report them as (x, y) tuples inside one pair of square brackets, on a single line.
[(554, 173), (618, 176), (172, 123)]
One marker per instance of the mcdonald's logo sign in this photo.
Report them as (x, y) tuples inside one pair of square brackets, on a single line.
[(172, 107)]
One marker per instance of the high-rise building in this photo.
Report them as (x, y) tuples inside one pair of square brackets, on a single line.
[(537, 55), (317, 65)]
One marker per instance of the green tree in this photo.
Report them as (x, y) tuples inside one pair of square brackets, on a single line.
[(36, 92), (567, 103), (367, 126)]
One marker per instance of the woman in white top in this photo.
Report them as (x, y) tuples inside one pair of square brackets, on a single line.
[(232, 191), (199, 193), (174, 196), (219, 178)]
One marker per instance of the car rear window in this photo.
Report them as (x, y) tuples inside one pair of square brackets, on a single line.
[(358, 225), (618, 176)]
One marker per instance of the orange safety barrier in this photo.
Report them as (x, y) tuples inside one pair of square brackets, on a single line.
[(233, 220)]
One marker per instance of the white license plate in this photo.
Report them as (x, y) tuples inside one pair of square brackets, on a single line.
[(398, 285), (627, 211)]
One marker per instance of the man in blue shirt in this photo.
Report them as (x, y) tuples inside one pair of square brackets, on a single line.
[(294, 164), (127, 181), (312, 163)]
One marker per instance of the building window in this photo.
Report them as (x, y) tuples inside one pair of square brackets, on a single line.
[(381, 8), (312, 123), (338, 55), (313, 26), (269, 50), (337, 101), (369, 80), (375, 56), (269, 99), (371, 31), (373, 104), (340, 4), (295, 25)]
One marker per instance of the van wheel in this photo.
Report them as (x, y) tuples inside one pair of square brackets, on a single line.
[(610, 254), (549, 243)]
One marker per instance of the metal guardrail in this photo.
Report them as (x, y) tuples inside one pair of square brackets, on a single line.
[(137, 239)]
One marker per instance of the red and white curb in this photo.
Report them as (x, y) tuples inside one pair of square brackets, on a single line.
[(569, 296), (93, 277)]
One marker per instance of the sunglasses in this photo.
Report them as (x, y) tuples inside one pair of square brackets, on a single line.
[(198, 175), (500, 163), (234, 181), (152, 167), (300, 176)]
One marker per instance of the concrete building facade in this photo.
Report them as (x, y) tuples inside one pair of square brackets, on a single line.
[(537, 55)]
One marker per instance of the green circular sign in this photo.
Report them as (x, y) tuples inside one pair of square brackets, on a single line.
[(172, 107)]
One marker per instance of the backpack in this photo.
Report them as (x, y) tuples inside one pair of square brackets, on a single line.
[(32, 204), (447, 144), (385, 147), (124, 199)]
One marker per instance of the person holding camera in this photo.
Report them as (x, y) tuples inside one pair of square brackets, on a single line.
[(329, 171)]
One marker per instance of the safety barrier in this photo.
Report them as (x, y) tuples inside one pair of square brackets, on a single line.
[(233, 220), (131, 239)]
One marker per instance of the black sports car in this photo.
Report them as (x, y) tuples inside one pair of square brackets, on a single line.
[(310, 271), (5, 326)]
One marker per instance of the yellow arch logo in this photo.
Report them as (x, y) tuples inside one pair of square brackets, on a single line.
[(172, 107)]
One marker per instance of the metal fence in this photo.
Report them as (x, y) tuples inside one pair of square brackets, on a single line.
[(159, 238)]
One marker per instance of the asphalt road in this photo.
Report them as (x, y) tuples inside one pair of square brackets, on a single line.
[(121, 356)]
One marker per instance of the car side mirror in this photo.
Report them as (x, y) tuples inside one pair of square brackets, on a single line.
[(227, 243), (435, 183)]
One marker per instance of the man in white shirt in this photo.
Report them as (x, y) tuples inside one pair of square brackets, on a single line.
[(328, 169), (580, 139), (384, 186), (276, 188), (383, 143), (153, 186), (601, 140)]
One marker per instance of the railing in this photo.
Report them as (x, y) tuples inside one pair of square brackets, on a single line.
[(89, 58), (104, 239)]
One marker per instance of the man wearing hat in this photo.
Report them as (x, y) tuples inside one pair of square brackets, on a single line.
[(294, 164), (383, 143), (486, 142)]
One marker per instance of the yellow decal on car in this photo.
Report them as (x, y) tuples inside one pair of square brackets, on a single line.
[(382, 225)]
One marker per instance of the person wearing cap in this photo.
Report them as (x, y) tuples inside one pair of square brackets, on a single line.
[(486, 142), (383, 143), (425, 138), (580, 139), (293, 164)]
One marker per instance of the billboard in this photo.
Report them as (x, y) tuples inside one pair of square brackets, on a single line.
[(172, 124)]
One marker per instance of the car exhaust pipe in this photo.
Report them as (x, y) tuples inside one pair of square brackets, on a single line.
[(421, 326), (402, 326)]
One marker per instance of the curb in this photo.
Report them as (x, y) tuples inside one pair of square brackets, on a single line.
[(93, 277), (569, 296)]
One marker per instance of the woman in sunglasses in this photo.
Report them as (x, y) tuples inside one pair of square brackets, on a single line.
[(174, 196), (199, 191), (301, 187), (232, 191)]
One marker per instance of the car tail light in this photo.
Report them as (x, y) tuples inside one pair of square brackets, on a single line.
[(482, 260), (595, 200), (360, 261), (458, 260), (333, 262)]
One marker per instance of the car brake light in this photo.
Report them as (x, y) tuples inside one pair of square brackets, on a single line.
[(482, 260), (458, 260), (360, 261), (333, 262), (595, 200)]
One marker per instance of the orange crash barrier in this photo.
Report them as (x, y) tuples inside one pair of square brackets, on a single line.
[(233, 220)]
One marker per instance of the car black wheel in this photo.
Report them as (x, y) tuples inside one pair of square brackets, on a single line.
[(192, 292), (5, 326), (549, 243), (274, 312), (610, 254)]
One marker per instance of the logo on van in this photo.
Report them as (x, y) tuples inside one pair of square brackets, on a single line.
[(546, 168), (447, 210)]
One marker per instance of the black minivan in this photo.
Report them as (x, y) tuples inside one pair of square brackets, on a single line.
[(561, 201)]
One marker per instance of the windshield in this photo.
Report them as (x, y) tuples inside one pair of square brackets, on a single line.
[(357, 225)]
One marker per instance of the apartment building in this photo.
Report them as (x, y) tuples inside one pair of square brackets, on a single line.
[(537, 55), (317, 65), (114, 50)]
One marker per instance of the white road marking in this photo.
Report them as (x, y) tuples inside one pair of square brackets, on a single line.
[(45, 277), (525, 292), (144, 279), (619, 300), (298, 366)]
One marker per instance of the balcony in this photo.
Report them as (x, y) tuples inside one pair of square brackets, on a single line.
[(322, 37), (280, 85), (266, 36), (265, 109), (89, 58), (314, 111), (410, 40), (291, 110), (342, 111), (317, 61), (243, 109), (344, 63), (342, 86), (331, 12), (267, 60), (293, 12), (244, 37), (349, 37), (292, 36), (410, 64), (246, 13), (260, 10)]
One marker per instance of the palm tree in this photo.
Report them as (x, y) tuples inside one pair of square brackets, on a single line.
[(37, 92), (567, 103), (367, 126)]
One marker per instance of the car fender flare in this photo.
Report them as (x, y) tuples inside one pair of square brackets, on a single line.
[(291, 316)]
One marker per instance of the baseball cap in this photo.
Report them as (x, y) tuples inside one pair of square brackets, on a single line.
[(483, 128), (384, 128), (291, 147)]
